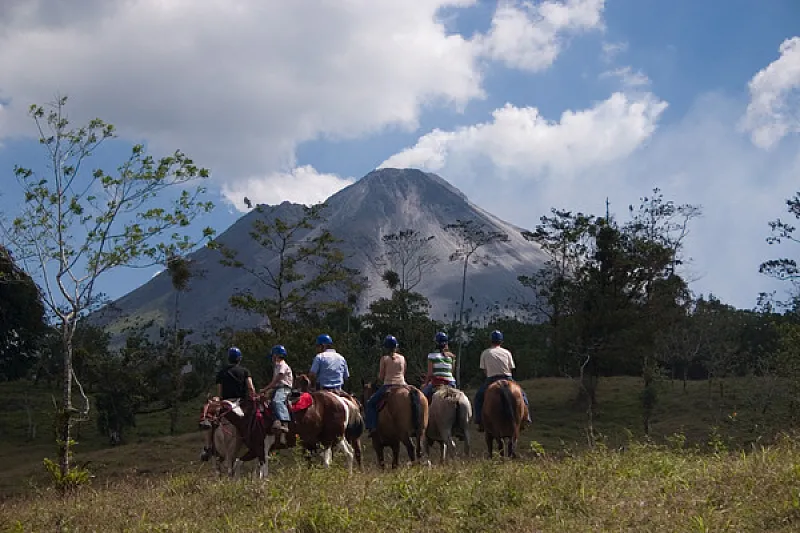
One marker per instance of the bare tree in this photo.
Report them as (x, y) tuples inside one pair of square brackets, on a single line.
[(472, 236)]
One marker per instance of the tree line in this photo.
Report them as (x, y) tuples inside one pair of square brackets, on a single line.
[(611, 298)]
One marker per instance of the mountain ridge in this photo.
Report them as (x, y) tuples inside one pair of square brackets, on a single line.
[(383, 202)]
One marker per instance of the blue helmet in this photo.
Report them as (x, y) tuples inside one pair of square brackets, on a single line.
[(390, 342), (441, 338), (497, 336), (234, 354), (324, 340), (278, 349)]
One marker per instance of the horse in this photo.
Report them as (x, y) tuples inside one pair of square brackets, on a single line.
[(228, 422), (328, 419), (503, 412), (450, 412), (402, 414)]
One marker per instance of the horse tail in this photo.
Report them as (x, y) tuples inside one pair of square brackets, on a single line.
[(507, 399), (355, 428), (416, 422)]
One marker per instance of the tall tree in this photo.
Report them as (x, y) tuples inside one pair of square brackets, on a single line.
[(306, 264), (22, 319), (784, 268), (76, 226), (471, 237)]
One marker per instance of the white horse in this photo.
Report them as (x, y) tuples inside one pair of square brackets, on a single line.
[(450, 413), (228, 442)]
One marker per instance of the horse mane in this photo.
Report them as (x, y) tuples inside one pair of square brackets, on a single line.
[(302, 382)]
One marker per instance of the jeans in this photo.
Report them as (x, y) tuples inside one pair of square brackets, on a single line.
[(427, 390), (482, 391), (279, 406), (371, 409)]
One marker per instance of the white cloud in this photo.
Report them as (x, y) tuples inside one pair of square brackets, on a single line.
[(629, 78), (302, 185), (529, 36), (519, 165), (238, 85), (774, 109), (519, 141), (611, 50)]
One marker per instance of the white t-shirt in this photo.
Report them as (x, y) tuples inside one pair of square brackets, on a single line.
[(496, 361)]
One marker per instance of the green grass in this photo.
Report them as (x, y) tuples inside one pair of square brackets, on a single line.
[(642, 487), (559, 424)]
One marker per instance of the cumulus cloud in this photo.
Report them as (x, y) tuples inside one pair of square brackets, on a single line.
[(238, 85), (774, 110), (614, 150), (520, 141), (529, 36), (302, 185)]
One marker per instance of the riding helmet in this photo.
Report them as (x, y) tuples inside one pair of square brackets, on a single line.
[(441, 338), (324, 340), (234, 353), (390, 342), (497, 336), (278, 349)]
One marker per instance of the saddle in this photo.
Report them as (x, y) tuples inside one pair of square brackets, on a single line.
[(385, 398)]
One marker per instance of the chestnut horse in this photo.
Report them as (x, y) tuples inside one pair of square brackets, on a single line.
[(450, 412), (402, 415), (328, 419), (503, 412)]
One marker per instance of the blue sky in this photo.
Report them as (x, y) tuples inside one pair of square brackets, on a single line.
[(522, 105)]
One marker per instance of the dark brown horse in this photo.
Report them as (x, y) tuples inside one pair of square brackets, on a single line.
[(327, 420), (503, 412), (402, 417)]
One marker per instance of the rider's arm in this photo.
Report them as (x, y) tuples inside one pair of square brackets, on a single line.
[(250, 387), (312, 373), (382, 369), (429, 375)]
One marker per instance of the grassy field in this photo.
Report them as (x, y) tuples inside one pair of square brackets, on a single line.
[(639, 488), (699, 487)]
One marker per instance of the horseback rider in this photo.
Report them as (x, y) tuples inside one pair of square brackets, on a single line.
[(281, 384), (497, 362), (392, 372), (329, 369), (234, 382), (440, 367)]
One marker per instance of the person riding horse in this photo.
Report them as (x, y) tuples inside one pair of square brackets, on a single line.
[(281, 384), (440, 367), (392, 373), (329, 368), (497, 362), (234, 382)]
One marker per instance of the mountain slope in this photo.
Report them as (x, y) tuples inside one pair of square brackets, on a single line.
[(383, 202)]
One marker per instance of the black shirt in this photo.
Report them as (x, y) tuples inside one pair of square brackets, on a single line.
[(233, 379)]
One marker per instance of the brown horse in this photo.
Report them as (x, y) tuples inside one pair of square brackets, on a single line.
[(327, 419), (402, 417), (503, 412)]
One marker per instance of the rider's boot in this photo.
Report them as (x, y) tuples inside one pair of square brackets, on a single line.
[(280, 426), (206, 455)]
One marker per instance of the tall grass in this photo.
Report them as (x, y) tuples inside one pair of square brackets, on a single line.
[(637, 487)]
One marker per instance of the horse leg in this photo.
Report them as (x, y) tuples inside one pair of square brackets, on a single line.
[(395, 446), (413, 454), (348, 452), (489, 445), (263, 471), (327, 456), (377, 445)]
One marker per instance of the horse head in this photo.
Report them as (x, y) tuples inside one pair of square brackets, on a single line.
[(302, 383)]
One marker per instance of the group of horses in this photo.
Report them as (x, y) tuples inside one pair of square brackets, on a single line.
[(322, 420)]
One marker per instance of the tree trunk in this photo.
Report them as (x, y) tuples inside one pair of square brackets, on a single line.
[(65, 416), (461, 321)]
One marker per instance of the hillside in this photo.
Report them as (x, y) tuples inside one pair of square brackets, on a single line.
[(382, 202)]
